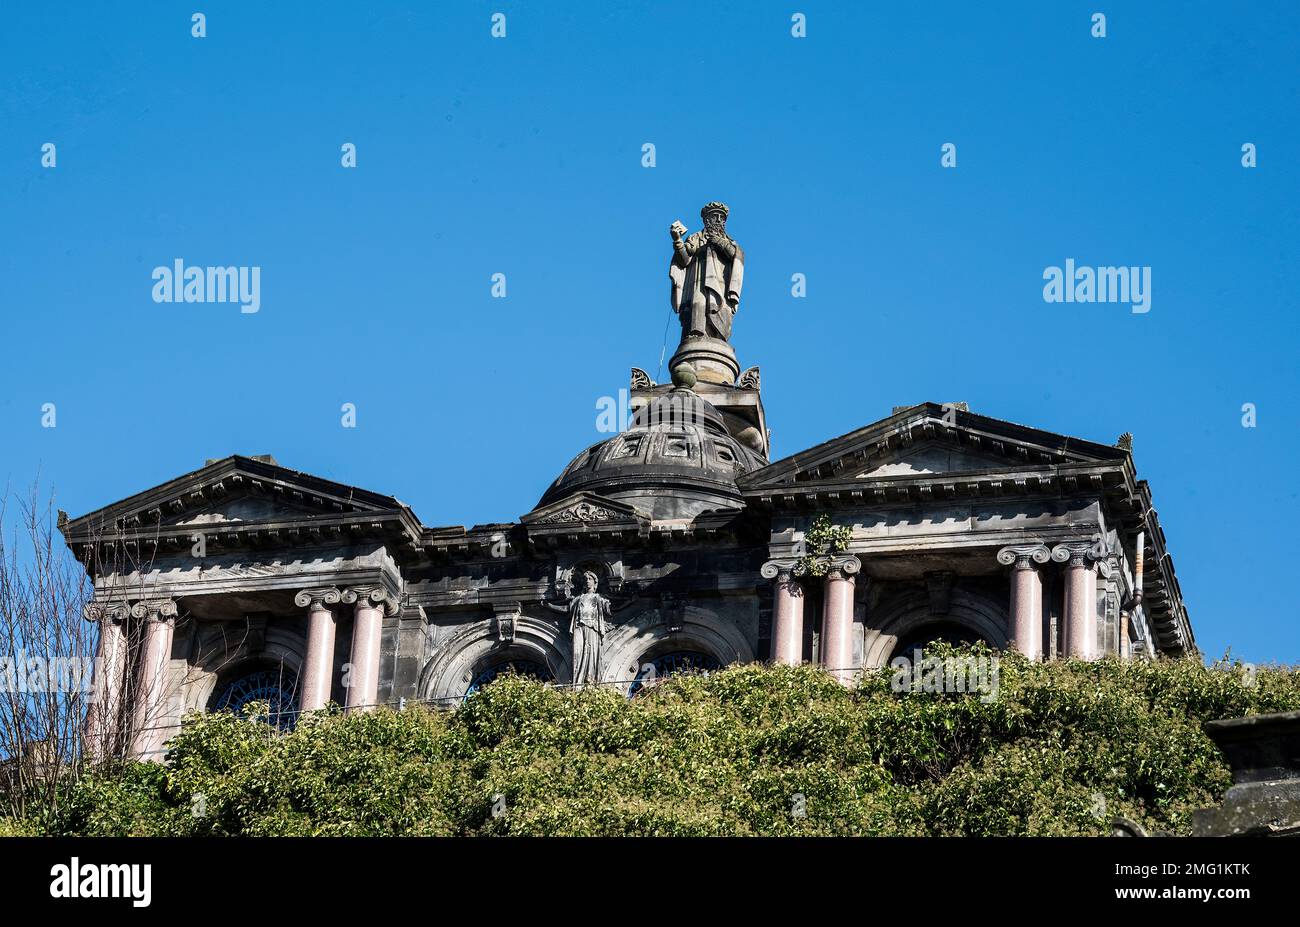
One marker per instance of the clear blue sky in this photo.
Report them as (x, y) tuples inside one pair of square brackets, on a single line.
[(523, 156)]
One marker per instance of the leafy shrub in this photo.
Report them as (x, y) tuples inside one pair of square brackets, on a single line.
[(748, 750)]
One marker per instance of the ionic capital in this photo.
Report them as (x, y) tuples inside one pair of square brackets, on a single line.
[(160, 610), (375, 596), (781, 568), (318, 598), (1024, 556), (843, 567), (1080, 553), (105, 612)]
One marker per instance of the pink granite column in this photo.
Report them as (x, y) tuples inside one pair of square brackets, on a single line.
[(837, 619), (318, 666), (149, 725), (787, 613), (102, 723), (1026, 626), (1080, 597), (367, 630)]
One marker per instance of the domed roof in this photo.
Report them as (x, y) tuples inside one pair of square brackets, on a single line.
[(675, 461)]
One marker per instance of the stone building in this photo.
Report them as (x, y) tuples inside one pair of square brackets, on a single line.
[(674, 544)]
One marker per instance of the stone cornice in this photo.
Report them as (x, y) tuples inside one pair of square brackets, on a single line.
[(229, 475), (1068, 480), (931, 421)]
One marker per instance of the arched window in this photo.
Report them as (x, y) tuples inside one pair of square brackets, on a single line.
[(946, 631), (277, 686), (679, 661), (529, 668)]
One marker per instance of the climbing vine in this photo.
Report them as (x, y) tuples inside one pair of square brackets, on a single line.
[(822, 541)]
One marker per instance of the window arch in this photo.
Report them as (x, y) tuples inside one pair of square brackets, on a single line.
[(948, 632), (275, 685), (519, 667), (678, 661)]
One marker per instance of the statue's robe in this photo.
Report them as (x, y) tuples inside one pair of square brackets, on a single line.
[(588, 621), (705, 287)]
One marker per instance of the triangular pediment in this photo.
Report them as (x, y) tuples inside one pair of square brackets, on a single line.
[(234, 490), (583, 510), (930, 440)]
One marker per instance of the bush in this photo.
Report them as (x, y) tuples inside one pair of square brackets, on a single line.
[(749, 750)]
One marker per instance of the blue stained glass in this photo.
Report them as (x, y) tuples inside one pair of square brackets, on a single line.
[(531, 668), (277, 687), (680, 661)]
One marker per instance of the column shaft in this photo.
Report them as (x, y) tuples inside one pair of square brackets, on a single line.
[(837, 625), (148, 733), (102, 721), (787, 620), (367, 629), (1080, 610), (1027, 610), (318, 667)]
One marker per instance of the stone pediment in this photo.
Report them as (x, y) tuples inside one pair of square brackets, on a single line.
[(233, 491), (933, 457), (931, 440), (583, 511)]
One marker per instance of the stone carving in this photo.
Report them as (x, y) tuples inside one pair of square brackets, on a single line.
[(707, 271), (749, 379), (641, 379), (154, 610), (589, 622), (938, 585), (318, 598), (1024, 556), (582, 513), (507, 622), (97, 612), (376, 596), (1080, 553)]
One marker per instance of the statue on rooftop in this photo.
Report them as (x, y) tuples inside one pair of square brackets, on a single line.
[(707, 270)]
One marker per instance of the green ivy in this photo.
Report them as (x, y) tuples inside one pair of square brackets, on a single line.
[(822, 541)]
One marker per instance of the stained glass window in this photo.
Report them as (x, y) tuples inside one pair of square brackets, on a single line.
[(679, 661), (277, 687), (531, 668)]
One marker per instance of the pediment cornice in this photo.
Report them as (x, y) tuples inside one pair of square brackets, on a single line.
[(994, 443)]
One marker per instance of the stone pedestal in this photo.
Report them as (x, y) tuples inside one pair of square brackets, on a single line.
[(713, 359)]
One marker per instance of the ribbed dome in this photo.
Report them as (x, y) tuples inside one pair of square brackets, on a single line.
[(675, 461)]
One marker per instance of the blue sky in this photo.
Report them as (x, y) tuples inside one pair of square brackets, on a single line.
[(523, 156)]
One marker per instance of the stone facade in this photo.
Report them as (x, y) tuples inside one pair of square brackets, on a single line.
[(245, 580)]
